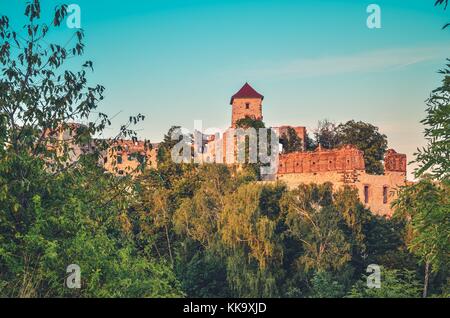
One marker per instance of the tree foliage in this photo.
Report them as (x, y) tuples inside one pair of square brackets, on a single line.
[(394, 284), (434, 158), (57, 209), (443, 3), (364, 136), (367, 138), (291, 141), (314, 223), (426, 207), (325, 134)]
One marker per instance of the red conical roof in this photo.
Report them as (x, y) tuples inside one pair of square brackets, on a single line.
[(246, 92)]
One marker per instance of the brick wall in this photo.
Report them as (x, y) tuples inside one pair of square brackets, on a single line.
[(246, 107), (322, 160)]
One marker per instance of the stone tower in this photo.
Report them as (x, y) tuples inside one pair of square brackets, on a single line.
[(246, 103)]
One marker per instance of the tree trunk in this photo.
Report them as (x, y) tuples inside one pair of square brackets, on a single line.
[(426, 279), (168, 244)]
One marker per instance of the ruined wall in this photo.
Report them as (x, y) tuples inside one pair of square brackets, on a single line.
[(394, 161), (322, 160), (128, 163), (377, 187), (345, 166)]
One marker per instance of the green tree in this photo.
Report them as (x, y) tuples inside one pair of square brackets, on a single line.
[(57, 209), (426, 207), (325, 134), (385, 243), (248, 122), (364, 136), (291, 141), (324, 285), (164, 156), (252, 169), (248, 232), (203, 273), (368, 139), (310, 144), (313, 221), (197, 216), (434, 158), (67, 221), (394, 284)]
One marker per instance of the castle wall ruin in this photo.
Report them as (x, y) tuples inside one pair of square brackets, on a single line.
[(345, 167)]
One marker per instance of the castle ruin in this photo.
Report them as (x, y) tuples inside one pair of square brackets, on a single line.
[(342, 166)]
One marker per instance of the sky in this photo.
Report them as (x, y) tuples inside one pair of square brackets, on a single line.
[(177, 61)]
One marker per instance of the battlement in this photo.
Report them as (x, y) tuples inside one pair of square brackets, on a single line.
[(322, 160)]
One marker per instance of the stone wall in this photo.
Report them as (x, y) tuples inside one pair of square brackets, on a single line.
[(381, 189), (345, 166)]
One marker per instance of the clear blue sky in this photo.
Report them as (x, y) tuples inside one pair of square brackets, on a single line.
[(178, 61)]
